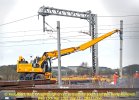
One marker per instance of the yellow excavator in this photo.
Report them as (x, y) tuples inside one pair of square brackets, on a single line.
[(40, 67)]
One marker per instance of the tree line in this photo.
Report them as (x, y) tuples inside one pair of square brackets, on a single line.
[(8, 72)]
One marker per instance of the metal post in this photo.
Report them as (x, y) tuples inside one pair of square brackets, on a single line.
[(93, 52), (96, 45), (92, 32), (121, 47), (59, 54), (90, 23), (43, 23)]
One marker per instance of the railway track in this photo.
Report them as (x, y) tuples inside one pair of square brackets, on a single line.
[(31, 89), (47, 85), (33, 93), (44, 89), (25, 83)]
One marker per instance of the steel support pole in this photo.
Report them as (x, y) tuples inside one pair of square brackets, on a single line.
[(92, 32), (59, 54), (121, 47), (43, 23), (96, 45), (93, 53)]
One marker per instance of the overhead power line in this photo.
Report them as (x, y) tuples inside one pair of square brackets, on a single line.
[(65, 38), (131, 24), (67, 27), (18, 20), (122, 16), (43, 42), (51, 27), (63, 31), (23, 36), (130, 27), (21, 31), (28, 35)]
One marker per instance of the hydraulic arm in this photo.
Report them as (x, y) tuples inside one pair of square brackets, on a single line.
[(54, 54)]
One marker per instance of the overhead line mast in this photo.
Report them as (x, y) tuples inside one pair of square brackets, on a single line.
[(46, 11)]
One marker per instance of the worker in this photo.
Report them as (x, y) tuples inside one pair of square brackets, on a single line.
[(22, 60), (31, 59), (136, 75), (115, 78)]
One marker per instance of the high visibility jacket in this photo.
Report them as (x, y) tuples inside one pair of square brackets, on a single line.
[(115, 78), (136, 75)]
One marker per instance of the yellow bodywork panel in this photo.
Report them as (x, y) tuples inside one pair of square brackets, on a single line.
[(62, 52), (27, 68)]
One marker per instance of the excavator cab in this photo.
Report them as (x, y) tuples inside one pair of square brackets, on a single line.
[(35, 62), (46, 65)]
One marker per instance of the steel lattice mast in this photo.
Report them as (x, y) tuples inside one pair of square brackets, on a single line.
[(46, 11)]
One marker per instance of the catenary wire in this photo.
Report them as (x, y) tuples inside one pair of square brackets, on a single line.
[(55, 43), (46, 39), (50, 26), (17, 20)]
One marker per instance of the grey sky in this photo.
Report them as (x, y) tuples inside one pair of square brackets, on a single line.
[(131, 23), (5, 9), (108, 50)]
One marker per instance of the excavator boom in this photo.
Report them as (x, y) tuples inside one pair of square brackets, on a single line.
[(96, 40), (54, 54)]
